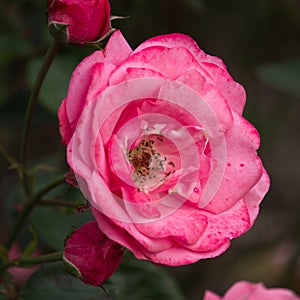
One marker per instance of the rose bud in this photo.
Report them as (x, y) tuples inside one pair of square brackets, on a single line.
[(252, 291), (79, 21), (90, 255)]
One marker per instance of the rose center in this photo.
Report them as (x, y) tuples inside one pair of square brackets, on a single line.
[(150, 166)]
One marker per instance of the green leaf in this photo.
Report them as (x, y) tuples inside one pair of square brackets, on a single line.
[(52, 282), (283, 76), (137, 279), (56, 83), (53, 225)]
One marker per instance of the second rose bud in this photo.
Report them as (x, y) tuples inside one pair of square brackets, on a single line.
[(90, 255), (79, 21)]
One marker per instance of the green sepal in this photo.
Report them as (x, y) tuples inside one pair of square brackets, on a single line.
[(59, 31), (70, 233), (70, 268)]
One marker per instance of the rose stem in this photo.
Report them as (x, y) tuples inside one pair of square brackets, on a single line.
[(50, 54), (29, 205), (27, 262)]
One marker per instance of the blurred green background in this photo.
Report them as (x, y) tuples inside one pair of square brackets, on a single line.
[(259, 41)]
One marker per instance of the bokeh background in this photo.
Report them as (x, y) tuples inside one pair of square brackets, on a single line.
[(259, 40)]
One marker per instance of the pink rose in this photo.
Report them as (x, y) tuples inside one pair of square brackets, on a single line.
[(244, 290), (158, 145), (85, 20), (90, 255)]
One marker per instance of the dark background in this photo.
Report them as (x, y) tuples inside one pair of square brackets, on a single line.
[(259, 41)]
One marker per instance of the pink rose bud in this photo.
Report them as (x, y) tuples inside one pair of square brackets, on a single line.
[(252, 291), (90, 255), (78, 21)]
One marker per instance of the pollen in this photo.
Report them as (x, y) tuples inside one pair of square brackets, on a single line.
[(150, 166)]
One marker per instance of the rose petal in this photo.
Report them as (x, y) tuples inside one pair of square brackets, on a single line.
[(116, 51), (157, 244), (223, 227), (256, 194), (171, 63), (100, 73), (177, 226), (64, 125), (180, 40), (253, 291), (211, 296), (231, 90), (211, 95), (243, 167), (123, 232)]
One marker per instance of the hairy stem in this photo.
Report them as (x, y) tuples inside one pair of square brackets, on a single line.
[(27, 262), (37, 260), (50, 54)]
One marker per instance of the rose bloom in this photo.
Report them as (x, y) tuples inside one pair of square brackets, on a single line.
[(90, 255), (244, 290), (85, 20), (158, 145)]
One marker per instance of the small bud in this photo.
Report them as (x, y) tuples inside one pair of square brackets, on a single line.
[(78, 21), (90, 255)]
